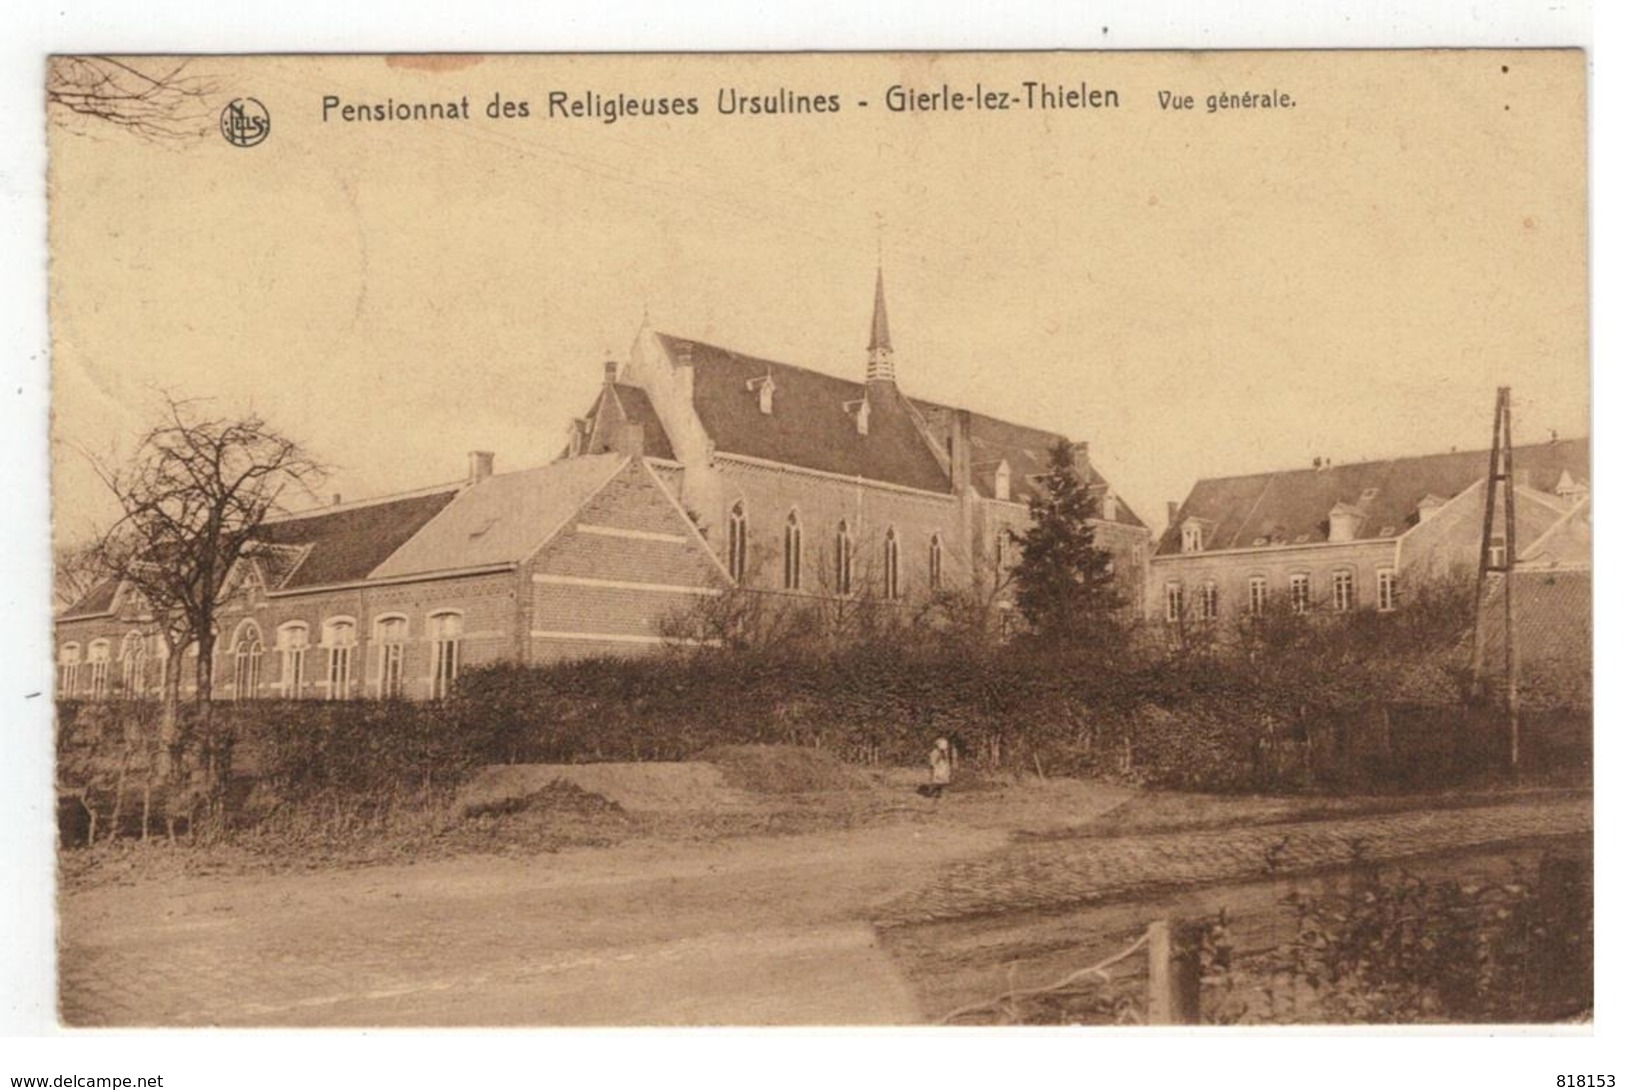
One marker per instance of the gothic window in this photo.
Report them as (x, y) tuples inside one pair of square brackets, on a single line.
[(792, 552), (935, 562), (843, 559), (737, 532), (1173, 602), (133, 665), (893, 581)]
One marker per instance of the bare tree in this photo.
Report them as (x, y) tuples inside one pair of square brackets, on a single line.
[(194, 495), (76, 571), (154, 99)]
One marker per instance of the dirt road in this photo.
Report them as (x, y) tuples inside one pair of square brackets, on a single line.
[(756, 930)]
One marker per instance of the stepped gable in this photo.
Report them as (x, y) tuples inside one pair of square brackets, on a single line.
[(501, 519), (1290, 507), (811, 425)]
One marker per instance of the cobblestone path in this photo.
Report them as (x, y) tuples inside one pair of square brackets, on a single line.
[(1056, 874)]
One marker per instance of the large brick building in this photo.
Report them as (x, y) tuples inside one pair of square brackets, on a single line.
[(695, 469), (1347, 537)]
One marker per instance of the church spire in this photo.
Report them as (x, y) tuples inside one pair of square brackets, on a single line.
[(880, 361)]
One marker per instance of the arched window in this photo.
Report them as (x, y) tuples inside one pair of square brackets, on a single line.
[(1209, 600), (792, 552), (934, 564), (390, 635), (891, 573), (338, 636), (133, 665), (293, 640), (843, 559), (1342, 590), (446, 638), (101, 653), (1258, 595), (737, 533), (245, 673), (67, 671)]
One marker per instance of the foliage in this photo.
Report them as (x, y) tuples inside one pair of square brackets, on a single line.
[(1064, 586), (1402, 948), (157, 101)]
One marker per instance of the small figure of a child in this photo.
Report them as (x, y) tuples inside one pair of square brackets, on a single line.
[(942, 769)]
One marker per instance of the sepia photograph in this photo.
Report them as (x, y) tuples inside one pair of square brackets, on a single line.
[(905, 539)]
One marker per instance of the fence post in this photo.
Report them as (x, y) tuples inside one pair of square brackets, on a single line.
[(1174, 992)]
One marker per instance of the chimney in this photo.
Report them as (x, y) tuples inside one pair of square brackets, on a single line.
[(480, 464), (612, 371), (337, 499), (1080, 459), (1173, 511), (630, 440), (959, 450), (684, 364)]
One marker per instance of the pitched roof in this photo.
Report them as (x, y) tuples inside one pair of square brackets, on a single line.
[(810, 425), (503, 518), (631, 405), (1551, 614), (95, 604), (346, 544), (1566, 543), (1291, 506)]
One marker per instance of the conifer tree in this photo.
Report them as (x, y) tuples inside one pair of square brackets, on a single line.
[(1063, 583)]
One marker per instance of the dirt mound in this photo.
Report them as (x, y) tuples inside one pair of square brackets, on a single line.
[(560, 797), (782, 770), (640, 787)]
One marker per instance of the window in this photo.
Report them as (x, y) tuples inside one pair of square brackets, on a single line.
[(245, 674), (446, 637), (792, 552), (1498, 551), (101, 653), (1001, 551), (1342, 591), (338, 636), (843, 559), (391, 638), (1300, 593), (934, 562), (1001, 482), (67, 671), (736, 542), (893, 581), (292, 640), (1208, 602), (1385, 590), (1258, 595), (1190, 538), (133, 665), (1173, 602)]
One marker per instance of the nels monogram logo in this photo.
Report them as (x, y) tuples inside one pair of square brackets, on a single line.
[(245, 122)]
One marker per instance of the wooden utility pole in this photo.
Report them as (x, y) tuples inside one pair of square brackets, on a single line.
[(1500, 480), (1175, 985)]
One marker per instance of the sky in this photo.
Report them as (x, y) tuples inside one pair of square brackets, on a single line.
[(1194, 293)]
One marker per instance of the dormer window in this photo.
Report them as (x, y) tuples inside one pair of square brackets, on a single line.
[(860, 414), (1427, 505), (763, 389), (1190, 537), (1001, 482), (1108, 507), (1344, 522)]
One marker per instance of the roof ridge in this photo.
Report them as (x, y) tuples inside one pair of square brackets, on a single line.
[(356, 505), (1390, 460)]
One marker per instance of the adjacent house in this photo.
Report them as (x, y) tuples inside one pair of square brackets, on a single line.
[(1355, 536)]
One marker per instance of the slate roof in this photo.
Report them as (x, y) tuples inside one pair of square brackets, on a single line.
[(810, 425), (95, 604), (502, 519), (1551, 614), (346, 544), (1290, 507)]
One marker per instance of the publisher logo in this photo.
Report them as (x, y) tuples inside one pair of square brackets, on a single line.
[(245, 122)]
